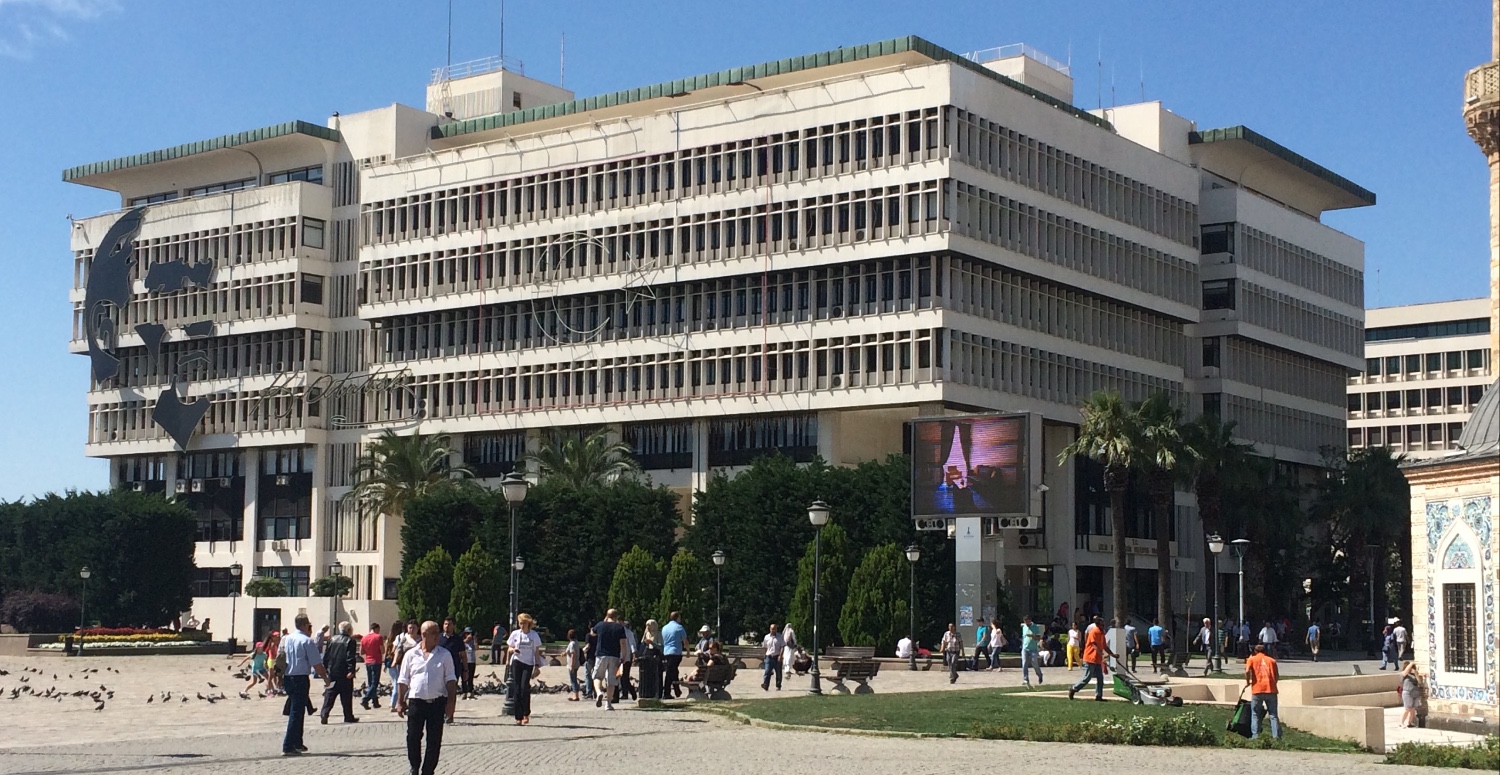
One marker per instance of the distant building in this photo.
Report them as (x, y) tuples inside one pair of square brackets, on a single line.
[(798, 257), (1426, 367)]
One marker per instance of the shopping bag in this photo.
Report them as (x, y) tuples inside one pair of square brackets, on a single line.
[(1239, 720)]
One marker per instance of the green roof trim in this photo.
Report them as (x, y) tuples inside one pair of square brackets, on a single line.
[(1285, 154), (202, 146), (736, 75)]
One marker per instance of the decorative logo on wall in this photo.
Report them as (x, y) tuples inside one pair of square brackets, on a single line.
[(106, 295)]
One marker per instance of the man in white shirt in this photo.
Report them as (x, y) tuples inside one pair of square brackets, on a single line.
[(952, 647), (904, 648), (428, 688), (1401, 638), (774, 646), (1269, 638)]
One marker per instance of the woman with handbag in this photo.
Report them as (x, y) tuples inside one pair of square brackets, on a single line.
[(1411, 694)]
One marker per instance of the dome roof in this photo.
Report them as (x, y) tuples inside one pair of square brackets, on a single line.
[(1481, 434)]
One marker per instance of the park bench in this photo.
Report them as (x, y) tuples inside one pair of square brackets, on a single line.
[(745, 657), (858, 670), (712, 684), (849, 652)]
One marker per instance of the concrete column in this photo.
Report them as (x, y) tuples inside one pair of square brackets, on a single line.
[(830, 424), (700, 471), (974, 575), (244, 550)]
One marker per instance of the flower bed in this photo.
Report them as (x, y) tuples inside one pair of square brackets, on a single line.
[(138, 644), (129, 635)]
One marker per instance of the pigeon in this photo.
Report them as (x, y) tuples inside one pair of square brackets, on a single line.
[(100, 706), (184, 699), (200, 696), (244, 695), (212, 685), (150, 699)]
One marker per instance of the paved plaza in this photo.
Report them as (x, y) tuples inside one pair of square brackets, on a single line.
[(237, 735)]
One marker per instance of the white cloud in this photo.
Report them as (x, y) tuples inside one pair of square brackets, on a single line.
[(27, 25)]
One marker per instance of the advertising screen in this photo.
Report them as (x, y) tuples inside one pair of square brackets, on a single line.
[(969, 466)]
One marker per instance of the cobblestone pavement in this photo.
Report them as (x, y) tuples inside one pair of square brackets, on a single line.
[(234, 735)]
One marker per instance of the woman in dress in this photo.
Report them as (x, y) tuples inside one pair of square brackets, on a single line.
[(524, 655), (1411, 694)]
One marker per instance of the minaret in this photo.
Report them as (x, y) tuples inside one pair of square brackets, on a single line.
[(1482, 115)]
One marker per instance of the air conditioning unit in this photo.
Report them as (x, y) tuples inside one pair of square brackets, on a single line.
[(1019, 523), (225, 481), (278, 546), (197, 485), (283, 480), (836, 381), (1027, 540), (181, 487), (138, 486)]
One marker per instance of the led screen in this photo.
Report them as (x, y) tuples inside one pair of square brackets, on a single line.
[(969, 465)]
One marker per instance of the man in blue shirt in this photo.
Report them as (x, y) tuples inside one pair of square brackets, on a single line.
[(1157, 635), (300, 655), (673, 639), (1031, 644)]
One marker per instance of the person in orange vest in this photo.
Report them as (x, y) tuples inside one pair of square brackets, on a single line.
[(1260, 675), (1094, 651)]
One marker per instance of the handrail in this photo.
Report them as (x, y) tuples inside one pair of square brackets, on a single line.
[(1013, 50), (480, 66)]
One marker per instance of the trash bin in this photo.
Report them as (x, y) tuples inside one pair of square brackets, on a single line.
[(233, 646), (68, 646), (648, 684)]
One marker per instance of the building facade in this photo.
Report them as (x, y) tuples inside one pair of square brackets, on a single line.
[(1426, 368), (799, 257)]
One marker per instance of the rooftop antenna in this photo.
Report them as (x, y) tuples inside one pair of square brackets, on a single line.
[(502, 34), (1113, 101), (1143, 79), (562, 61), (1099, 82), (448, 67)]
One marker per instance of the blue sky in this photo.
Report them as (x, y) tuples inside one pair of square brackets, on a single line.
[(1371, 89)]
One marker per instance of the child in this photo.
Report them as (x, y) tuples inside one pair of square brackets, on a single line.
[(257, 660)]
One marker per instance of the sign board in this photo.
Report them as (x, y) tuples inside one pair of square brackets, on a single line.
[(966, 616), (970, 465)]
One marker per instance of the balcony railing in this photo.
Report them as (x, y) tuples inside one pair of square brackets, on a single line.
[(1482, 84)]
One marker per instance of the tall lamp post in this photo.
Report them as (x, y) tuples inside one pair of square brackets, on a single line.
[(913, 554), (1238, 547), (514, 486), (83, 573), (1215, 660), (517, 565), (719, 558), (337, 569), (235, 571), (817, 513), (1370, 550)]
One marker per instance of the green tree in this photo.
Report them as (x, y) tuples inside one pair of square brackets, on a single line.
[(875, 613), (265, 586), (585, 461), (636, 587), (479, 590), (833, 583), (1161, 452), (1365, 502), (395, 470), (1109, 434), (1215, 461), (137, 546), (685, 589), (331, 586), (450, 518), (425, 592)]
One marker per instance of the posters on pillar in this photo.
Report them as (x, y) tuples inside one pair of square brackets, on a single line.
[(969, 465), (966, 616)]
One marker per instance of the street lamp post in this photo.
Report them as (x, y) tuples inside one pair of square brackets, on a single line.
[(83, 573), (817, 513), (337, 569), (1239, 546), (719, 558), (1215, 659), (514, 486), (517, 565), (1370, 550), (235, 571), (913, 554)]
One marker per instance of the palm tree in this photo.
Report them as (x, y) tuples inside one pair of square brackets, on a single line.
[(1109, 434), (395, 470), (1161, 451), (1365, 501), (580, 462), (1214, 458)]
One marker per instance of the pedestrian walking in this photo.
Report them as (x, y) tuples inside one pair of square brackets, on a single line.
[(407, 639), (273, 663), (1269, 637), (997, 642), (952, 647), (1132, 646), (300, 661), (1094, 652), (1031, 646), (1401, 640), (1387, 647), (372, 647), (790, 646), (1075, 645), (1411, 694), (427, 694), (673, 642), (497, 644), (981, 646), (1156, 637), (610, 643), (524, 658), (257, 660), (341, 659), (471, 662), (321, 639), (627, 661), (1261, 674), (774, 646), (1314, 640), (573, 660), (590, 651)]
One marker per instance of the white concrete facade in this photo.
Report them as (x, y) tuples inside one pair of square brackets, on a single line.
[(795, 258), (1426, 367)]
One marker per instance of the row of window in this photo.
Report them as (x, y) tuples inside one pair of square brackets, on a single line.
[(1255, 249), (1451, 398), (637, 250), (270, 240), (229, 412), (1300, 320), (247, 299), (221, 357), (1011, 368), (1035, 232), (1429, 330), (1431, 436), (313, 174), (1423, 365), (833, 149), (1252, 363), (1279, 425)]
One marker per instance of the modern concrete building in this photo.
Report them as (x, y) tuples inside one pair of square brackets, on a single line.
[(797, 256), (1426, 368)]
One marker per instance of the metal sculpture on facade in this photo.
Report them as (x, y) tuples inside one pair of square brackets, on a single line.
[(109, 286)]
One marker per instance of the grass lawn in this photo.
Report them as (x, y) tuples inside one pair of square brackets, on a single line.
[(957, 713)]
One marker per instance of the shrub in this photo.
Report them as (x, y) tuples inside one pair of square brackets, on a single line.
[(39, 612), (875, 612), (1484, 755), (424, 592), (265, 586), (480, 596), (636, 588), (688, 589), (1186, 729), (330, 586)]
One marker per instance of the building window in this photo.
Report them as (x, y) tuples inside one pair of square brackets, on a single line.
[(1356, 402), (313, 174), (739, 441), (515, 100), (153, 199), (312, 232), (213, 582), (1356, 437), (1377, 437), (1460, 629), (1475, 358), (1429, 330), (1372, 367), (1434, 361), (1413, 364), (494, 454), (1211, 351), (1213, 403), (312, 289), (1218, 238), (295, 578), (1218, 294), (219, 188)]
